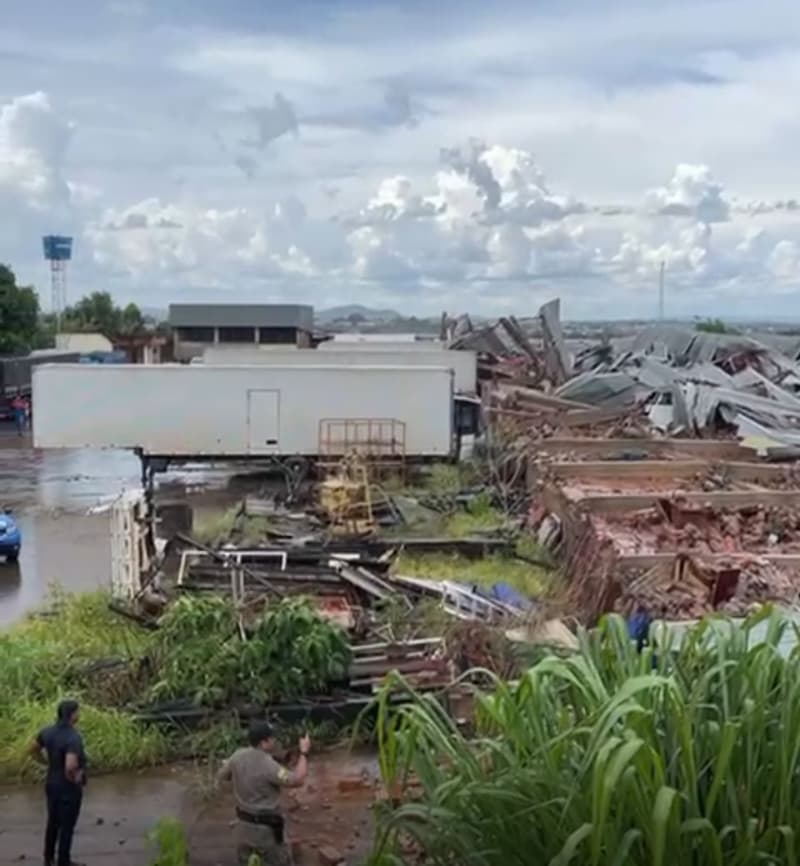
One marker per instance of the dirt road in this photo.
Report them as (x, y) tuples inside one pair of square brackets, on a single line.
[(333, 809)]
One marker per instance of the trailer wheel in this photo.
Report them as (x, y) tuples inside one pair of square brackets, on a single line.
[(295, 471), (297, 467)]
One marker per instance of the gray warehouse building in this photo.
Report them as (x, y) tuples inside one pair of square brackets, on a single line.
[(195, 327)]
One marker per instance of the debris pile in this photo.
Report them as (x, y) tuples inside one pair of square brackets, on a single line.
[(629, 532), (648, 461), (395, 622)]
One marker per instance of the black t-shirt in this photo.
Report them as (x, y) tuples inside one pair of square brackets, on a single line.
[(57, 741)]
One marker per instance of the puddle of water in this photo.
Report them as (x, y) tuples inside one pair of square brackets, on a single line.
[(71, 480), (71, 550), (51, 494)]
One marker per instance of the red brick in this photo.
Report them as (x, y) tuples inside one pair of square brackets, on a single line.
[(329, 856), (355, 783), (296, 847)]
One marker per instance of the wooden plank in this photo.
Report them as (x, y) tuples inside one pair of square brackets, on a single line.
[(632, 469), (585, 417), (539, 398), (646, 561), (575, 418), (709, 449), (726, 499)]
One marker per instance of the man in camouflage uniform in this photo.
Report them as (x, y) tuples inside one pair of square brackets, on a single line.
[(257, 781)]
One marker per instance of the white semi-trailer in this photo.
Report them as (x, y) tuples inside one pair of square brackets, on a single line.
[(184, 412), (463, 364)]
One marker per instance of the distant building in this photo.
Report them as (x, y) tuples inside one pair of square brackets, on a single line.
[(425, 340), (83, 343), (143, 348), (195, 327)]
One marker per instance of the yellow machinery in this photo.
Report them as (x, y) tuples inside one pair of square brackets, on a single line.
[(346, 500)]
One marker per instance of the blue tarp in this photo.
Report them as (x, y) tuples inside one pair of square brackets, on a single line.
[(504, 594)]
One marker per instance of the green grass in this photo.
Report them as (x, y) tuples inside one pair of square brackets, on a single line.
[(45, 654), (479, 518), (446, 478), (607, 758), (530, 580), (217, 528), (167, 840), (441, 478), (45, 658), (114, 740), (197, 652)]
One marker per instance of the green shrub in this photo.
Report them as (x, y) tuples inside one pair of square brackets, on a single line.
[(195, 653), (715, 326), (169, 840), (289, 651), (200, 653), (609, 757)]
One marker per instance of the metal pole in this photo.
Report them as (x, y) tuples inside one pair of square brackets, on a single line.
[(661, 292)]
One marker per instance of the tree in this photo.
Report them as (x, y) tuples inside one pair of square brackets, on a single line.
[(19, 314), (131, 320), (97, 312), (714, 326)]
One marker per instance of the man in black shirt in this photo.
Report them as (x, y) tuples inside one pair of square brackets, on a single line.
[(60, 748)]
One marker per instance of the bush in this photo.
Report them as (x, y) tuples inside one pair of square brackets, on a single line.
[(714, 326), (205, 656), (169, 840), (80, 649), (687, 756)]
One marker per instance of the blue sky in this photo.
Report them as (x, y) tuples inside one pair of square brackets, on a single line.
[(459, 156)]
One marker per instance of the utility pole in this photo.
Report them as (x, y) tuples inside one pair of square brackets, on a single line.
[(661, 291)]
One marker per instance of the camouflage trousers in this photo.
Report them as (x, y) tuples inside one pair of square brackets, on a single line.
[(255, 840)]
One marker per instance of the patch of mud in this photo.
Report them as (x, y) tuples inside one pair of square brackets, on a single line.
[(332, 809)]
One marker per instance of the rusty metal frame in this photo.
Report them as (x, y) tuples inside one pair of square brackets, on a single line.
[(380, 442)]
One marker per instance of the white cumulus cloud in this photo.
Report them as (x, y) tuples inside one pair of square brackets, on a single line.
[(508, 183), (35, 196), (692, 192), (784, 260), (478, 220)]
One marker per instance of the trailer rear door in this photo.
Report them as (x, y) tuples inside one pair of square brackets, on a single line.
[(263, 421)]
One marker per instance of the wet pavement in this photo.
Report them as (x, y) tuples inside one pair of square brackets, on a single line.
[(332, 809), (51, 494), (55, 496)]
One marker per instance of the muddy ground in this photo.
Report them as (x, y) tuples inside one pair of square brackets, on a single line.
[(119, 811)]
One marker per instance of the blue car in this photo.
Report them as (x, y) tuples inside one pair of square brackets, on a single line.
[(10, 537)]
